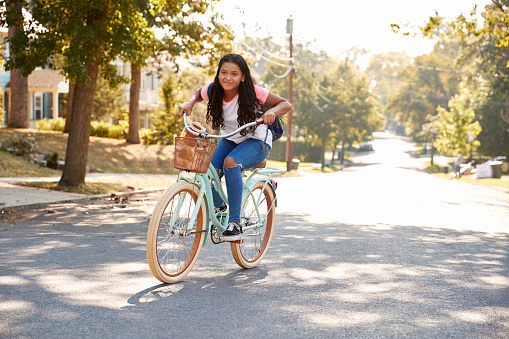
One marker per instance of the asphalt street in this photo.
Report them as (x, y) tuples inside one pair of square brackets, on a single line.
[(380, 249)]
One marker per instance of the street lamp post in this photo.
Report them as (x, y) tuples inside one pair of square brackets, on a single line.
[(289, 30)]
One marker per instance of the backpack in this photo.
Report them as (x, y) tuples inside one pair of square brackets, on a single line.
[(276, 127)]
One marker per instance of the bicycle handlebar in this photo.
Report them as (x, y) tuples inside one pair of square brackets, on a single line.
[(208, 135)]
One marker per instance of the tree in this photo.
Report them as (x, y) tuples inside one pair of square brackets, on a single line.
[(194, 37), (108, 101), (454, 126), (89, 35), (362, 108), (13, 18), (486, 46), (428, 83), (331, 105), (492, 112), (385, 71), (429, 133)]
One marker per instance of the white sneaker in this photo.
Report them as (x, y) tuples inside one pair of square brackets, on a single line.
[(232, 232)]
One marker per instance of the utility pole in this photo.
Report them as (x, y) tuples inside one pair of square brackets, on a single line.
[(289, 30)]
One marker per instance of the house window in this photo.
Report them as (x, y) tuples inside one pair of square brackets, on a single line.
[(143, 81), (37, 105)]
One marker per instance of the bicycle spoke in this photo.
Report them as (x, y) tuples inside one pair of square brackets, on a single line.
[(258, 218), (177, 239)]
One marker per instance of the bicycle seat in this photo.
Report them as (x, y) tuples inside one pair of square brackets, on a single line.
[(261, 165)]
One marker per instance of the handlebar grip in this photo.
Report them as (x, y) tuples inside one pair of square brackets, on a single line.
[(259, 121)]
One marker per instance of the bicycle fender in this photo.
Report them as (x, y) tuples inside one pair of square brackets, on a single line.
[(254, 180)]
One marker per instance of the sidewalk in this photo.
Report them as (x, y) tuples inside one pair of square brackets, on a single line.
[(14, 195)]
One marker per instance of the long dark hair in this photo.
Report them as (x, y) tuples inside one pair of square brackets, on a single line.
[(247, 97)]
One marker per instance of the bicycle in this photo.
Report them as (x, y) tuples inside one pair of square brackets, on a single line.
[(184, 217)]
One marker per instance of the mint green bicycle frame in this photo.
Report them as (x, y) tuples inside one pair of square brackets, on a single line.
[(202, 181)]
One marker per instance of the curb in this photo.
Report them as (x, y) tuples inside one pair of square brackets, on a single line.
[(87, 197)]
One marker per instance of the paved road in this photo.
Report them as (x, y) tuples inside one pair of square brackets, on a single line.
[(379, 249)]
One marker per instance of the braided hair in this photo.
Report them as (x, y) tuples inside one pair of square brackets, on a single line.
[(247, 97)]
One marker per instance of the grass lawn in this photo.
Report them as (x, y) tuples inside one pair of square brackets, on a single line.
[(14, 166), (109, 155), (468, 178)]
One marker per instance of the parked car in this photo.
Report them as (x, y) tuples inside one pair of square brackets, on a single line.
[(365, 146)]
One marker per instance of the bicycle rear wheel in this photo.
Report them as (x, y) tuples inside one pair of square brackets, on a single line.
[(172, 246), (256, 240)]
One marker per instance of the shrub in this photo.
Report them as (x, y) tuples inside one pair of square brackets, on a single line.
[(51, 125), (106, 130), (52, 161), (147, 136), (155, 136)]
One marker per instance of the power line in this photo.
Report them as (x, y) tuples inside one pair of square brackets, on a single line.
[(449, 70), (264, 51), (261, 54)]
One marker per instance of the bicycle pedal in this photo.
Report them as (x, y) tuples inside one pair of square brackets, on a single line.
[(238, 241)]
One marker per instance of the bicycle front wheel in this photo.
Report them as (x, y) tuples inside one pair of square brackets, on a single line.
[(173, 245), (257, 218)]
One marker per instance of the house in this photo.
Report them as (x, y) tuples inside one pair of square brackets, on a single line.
[(149, 91), (47, 92), (48, 89)]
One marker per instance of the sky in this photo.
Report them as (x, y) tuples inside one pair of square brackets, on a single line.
[(338, 25)]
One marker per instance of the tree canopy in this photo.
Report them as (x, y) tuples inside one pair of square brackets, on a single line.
[(87, 36)]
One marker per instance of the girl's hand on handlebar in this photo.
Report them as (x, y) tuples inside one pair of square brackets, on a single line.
[(185, 107), (268, 117)]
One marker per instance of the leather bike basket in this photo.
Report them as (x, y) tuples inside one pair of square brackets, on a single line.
[(193, 154)]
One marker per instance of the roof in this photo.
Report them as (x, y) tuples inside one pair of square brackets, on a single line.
[(45, 78)]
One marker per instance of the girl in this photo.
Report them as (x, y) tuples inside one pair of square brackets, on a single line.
[(233, 99)]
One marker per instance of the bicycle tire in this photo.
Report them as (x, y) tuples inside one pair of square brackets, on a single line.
[(256, 241), (172, 251)]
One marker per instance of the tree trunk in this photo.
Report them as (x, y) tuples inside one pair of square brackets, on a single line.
[(75, 168), (68, 114), (133, 136), (18, 112), (324, 148), (342, 147), (333, 155), (432, 152)]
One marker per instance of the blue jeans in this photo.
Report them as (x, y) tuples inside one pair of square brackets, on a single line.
[(247, 154)]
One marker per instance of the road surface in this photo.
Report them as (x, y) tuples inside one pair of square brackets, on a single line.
[(380, 249)]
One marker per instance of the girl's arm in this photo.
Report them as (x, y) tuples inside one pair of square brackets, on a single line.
[(189, 104), (279, 107)]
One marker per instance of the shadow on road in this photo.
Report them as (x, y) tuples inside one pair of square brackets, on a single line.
[(339, 279), (79, 271)]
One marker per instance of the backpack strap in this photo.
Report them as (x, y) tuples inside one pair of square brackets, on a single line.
[(209, 90), (259, 113)]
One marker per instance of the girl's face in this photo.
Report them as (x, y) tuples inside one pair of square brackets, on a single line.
[(230, 76)]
